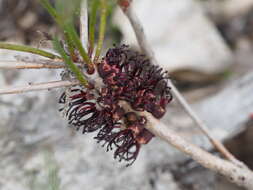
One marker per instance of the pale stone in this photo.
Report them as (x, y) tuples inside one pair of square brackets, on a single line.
[(180, 34)]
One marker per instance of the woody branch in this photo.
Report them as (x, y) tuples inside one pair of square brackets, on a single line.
[(234, 170)]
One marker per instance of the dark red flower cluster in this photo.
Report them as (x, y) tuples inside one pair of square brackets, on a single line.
[(134, 79), (128, 77)]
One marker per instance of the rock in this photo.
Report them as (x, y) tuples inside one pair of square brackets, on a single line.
[(180, 35), (34, 126), (224, 10), (224, 113), (31, 125)]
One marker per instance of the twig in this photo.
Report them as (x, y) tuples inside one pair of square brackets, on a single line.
[(235, 170), (88, 41), (242, 176), (30, 65), (38, 87), (84, 25), (146, 48), (202, 126)]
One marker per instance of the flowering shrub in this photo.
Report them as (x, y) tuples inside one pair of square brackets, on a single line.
[(127, 77)]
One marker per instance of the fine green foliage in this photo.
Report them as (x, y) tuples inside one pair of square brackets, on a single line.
[(65, 12), (92, 23), (68, 10), (102, 27), (59, 19), (79, 75), (51, 10), (64, 15), (28, 49), (76, 41)]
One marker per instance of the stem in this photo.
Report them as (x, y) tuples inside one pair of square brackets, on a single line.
[(28, 50), (101, 29), (38, 87), (29, 65), (79, 75), (242, 176), (71, 36), (61, 22), (70, 45), (202, 126), (84, 34), (74, 37), (236, 171), (51, 11), (92, 24), (146, 48)]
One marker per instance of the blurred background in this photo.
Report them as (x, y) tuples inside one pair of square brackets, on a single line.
[(207, 47)]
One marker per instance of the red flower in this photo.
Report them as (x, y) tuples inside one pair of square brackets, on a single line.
[(130, 77), (134, 79)]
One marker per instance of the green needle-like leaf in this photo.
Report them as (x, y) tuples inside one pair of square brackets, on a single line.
[(64, 15), (92, 23), (102, 27), (68, 9), (51, 10), (28, 49), (79, 75), (62, 24), (78, 44)]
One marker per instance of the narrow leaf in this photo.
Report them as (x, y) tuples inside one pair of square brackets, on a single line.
[(92, 23), (28, 49), (78, 44), (103, 17), (78, 73)]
